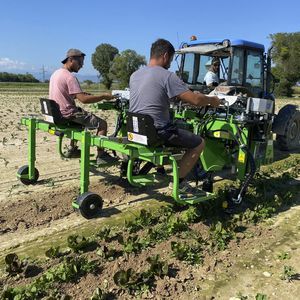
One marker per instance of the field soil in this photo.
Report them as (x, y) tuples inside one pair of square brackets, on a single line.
[(35, 217)]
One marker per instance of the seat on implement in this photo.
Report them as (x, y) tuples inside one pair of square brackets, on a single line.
[(141, 130), (50, 110)]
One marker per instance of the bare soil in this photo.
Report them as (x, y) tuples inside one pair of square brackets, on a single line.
[(42, 213)]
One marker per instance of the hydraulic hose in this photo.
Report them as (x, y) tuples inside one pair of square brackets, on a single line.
[(250, 175)]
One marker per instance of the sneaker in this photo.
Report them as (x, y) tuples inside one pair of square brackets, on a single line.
[(105, 158), (161, 171), (72, 152), (184, 187)]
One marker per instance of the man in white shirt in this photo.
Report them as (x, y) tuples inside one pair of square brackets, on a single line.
[(211, 78)]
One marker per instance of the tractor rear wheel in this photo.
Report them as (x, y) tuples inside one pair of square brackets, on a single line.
[(290, 140)]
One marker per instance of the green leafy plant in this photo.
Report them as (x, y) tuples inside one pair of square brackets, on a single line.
[(157, 267), (191, 214), (144, 219), (69, 270), (139, 282), (189, 253), (261, 297), (288, 273), (108, 254), (98, 295), (131, 244), (104, 234), (53, 252), (79, 243), (13, 264), (283, 256), (220, 236)]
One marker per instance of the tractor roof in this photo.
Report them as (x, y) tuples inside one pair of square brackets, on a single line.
[(208, 45)]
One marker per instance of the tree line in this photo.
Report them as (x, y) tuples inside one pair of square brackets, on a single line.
[(10, 77)]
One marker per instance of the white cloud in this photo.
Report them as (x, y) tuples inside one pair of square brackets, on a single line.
[(10, 64)]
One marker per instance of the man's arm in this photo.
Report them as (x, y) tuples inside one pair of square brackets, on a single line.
[(87, 98), (199, 99)]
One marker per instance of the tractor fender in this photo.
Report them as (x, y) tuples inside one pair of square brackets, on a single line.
[(280, 120)]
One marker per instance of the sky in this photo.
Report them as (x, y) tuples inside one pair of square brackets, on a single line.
[(36, 34)]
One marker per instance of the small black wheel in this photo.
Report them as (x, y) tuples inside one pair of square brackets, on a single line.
[(90, 204), (23, 171)]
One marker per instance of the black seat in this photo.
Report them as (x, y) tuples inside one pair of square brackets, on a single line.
[(141, 129), (50, 110)]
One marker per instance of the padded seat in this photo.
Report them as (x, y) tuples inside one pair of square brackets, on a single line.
[(141, 130), (50, 110)]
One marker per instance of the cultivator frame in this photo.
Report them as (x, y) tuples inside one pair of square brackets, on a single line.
[(88, 203)]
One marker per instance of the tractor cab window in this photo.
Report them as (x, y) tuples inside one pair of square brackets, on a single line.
[(204, 66), (205, 63), (237, 67), (188, 68), (254, 69)]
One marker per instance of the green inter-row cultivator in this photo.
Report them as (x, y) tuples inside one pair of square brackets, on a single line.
[(238, 134)]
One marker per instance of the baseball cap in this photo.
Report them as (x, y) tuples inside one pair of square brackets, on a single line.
[(72, 53)]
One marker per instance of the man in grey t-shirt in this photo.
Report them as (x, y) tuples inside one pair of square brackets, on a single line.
[(151, 89)]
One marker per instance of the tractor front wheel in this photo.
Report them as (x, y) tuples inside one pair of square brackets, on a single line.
[(23, 173), (90, 204)]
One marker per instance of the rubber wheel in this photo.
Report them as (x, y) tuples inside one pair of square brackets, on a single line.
[(290, 140), (90, 204), (25, 171)]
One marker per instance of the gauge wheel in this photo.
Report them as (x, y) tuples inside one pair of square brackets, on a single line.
[(90, 205), (23, 171)]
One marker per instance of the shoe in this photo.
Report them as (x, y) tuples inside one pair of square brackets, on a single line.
[(184, 187), (72, 152), (105, 158), (161, 171)]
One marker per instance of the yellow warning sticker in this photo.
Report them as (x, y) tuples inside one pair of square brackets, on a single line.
[(130, 136), (221, 134), (241, 158)]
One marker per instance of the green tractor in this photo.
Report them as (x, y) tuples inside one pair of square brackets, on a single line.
[(245, 70), (239, 134)]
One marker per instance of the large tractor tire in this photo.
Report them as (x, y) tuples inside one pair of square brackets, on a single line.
[(289, 136)]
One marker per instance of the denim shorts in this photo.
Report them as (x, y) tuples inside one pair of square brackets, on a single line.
[(173, 136), (88, 119)]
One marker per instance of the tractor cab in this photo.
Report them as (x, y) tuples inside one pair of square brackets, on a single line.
[(241, 66)]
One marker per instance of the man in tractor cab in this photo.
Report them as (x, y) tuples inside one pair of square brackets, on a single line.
[(64, 88), (211, 78), (152, 88)]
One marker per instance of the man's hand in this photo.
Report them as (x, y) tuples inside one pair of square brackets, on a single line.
[(214, 101), (107, 96)]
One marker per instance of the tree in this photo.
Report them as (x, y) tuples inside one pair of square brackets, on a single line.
[(88, 82), (124, 65), (285, 55), (102, 61)]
